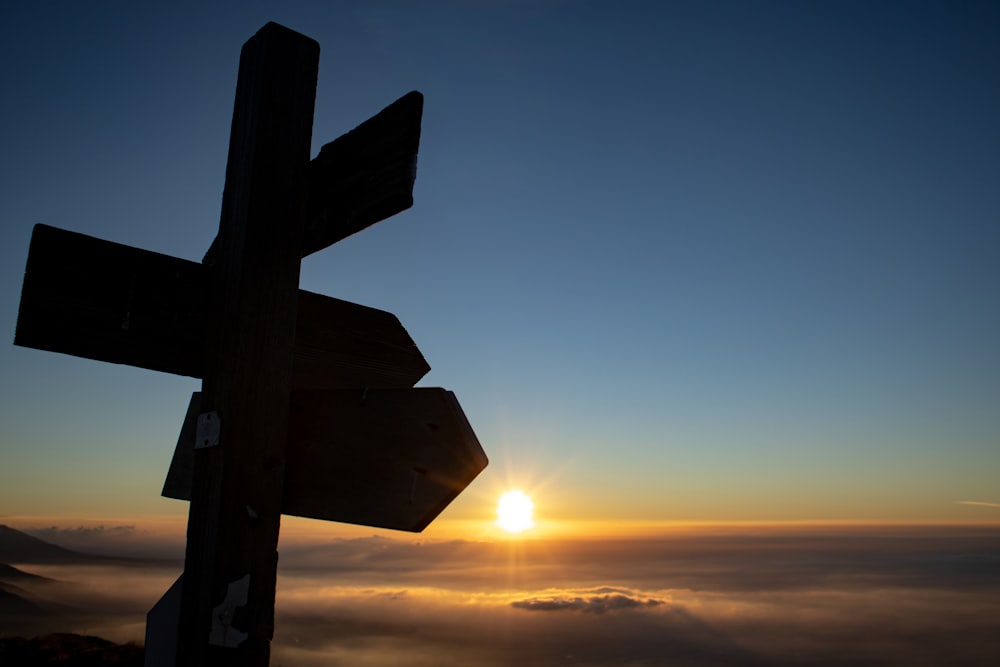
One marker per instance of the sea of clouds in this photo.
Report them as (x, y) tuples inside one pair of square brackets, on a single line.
[(738, 596)]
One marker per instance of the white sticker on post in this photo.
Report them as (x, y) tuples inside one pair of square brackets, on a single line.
[(223, 633)]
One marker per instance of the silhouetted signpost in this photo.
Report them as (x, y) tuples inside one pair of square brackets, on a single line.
[(307, 404)]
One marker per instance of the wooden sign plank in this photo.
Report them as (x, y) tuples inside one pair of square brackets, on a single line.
[(341, 345), (388, 458), (111, 302), (162, 625), (410, 453), (362, 177)]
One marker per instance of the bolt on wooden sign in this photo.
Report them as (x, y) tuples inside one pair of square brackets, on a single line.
[(308, 405)]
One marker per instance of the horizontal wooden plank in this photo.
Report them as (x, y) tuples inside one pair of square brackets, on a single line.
[(339, 344), (362, 177), (388, 458), (111, 302)]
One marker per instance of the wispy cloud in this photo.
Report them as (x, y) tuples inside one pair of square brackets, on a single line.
[(978, 503)]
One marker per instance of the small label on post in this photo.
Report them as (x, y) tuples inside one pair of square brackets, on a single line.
[(223, 633), (207, 433)]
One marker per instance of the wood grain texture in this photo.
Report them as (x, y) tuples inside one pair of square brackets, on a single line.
[(101, 300), (362, 177), (340, 345), (389, 458), (234, 517), (111, 302)]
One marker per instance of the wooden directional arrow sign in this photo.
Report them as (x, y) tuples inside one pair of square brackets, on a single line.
[(362, 177), (365, 175), (306, 405), (111, 302), (390, 458)]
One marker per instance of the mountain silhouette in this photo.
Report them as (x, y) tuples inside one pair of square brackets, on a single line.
[(11, 573), (14, 606), (20, 608), (21, 614), (18, 547)]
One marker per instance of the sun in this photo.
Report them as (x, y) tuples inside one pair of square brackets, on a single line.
[(515, 512)]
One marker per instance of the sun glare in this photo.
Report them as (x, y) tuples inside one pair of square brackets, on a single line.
[(515, 512)]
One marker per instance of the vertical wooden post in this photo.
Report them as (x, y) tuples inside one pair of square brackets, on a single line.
[(227, 608)]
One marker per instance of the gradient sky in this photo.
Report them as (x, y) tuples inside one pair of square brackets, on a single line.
[(679, 260)]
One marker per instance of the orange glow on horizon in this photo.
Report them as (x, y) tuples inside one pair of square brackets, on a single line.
[(297, 531)]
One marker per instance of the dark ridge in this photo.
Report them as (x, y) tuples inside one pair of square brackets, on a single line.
[(13, 607), (11, 573), (18, 547), (68, 650)]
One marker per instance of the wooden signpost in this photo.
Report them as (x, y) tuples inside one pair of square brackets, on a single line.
[(307, 404)]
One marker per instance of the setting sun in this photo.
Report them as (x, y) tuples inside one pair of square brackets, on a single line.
[(515, 512)]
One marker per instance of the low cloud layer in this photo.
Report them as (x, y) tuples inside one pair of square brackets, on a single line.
[(850, 596)]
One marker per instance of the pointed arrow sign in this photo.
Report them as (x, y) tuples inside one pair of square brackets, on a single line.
[(389, 458), (111, 302), (362, 177)]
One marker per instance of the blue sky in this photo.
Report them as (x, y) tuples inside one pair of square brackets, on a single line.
[(679, 261)]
